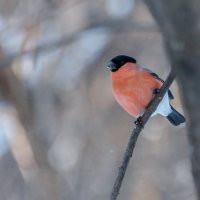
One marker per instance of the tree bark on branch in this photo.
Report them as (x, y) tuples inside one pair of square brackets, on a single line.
[(136, 131), (179, 24)]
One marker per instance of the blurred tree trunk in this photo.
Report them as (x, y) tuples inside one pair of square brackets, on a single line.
[(40, 178), (179, 23)]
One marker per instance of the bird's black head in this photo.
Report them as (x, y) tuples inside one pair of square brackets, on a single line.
[(118, 61)]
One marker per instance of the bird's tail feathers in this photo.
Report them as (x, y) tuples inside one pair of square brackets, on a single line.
[(175, 117)]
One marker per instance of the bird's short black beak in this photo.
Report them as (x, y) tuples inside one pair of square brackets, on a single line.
[(112, 66)]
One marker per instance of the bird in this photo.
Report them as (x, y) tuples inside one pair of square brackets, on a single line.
[(135, 86)]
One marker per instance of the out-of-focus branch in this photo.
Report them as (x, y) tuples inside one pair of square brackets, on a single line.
[(136, 131), (39, 49), (179, 22), (52, 45)]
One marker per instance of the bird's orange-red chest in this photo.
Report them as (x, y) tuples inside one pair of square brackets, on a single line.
[(133, 88)]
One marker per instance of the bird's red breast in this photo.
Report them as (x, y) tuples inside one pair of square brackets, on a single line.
[(134, 88)]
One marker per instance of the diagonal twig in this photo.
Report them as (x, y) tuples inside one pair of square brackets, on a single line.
[(135, 133)]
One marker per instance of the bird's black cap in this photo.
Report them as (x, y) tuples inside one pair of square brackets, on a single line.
[(118, 61)]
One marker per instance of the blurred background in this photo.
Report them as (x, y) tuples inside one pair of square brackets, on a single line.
[(62, 135)]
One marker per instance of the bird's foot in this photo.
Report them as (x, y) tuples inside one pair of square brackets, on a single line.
[(156, 91), (139, 122)]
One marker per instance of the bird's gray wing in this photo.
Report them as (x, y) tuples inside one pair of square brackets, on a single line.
[(157, 77)]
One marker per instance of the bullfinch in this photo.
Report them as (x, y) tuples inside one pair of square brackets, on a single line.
[(134, 87)]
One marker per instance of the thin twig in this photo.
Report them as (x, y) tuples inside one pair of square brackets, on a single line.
[(135, 133)]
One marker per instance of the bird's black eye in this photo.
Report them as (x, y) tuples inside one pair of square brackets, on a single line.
[(122, 63)]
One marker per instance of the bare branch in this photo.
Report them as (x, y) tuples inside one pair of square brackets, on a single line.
[(114, 26), (135, 133), (39, 49)]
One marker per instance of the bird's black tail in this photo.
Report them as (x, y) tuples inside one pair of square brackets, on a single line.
[(175, 117)]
